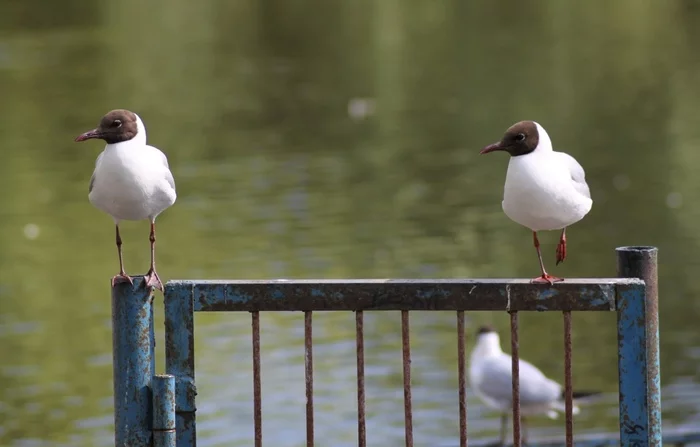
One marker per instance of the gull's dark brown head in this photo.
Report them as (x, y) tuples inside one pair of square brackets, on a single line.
[(520, 139), (116, 126), (486, 329)]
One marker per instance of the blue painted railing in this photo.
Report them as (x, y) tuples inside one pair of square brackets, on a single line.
[(160, 410)]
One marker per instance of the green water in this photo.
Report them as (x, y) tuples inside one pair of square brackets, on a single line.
[(330, 139)]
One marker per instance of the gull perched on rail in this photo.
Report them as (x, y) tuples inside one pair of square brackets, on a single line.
[(132, 181), (490, 374), (544, 189)]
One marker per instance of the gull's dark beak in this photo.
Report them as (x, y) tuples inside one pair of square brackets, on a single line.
[(492, 148), (94, 133)]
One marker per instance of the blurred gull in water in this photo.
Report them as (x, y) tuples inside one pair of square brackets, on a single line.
[(490, 374)]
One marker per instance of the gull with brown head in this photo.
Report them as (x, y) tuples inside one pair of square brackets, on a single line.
[(544, 189), (131, 181)]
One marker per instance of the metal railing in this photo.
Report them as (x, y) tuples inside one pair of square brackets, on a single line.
[(160, 410)]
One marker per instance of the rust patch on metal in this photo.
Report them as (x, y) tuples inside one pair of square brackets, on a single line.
[(257, 398), (309, 373), (515, 355), (568, 383), (462, 381), (360, 343), (406, 349)]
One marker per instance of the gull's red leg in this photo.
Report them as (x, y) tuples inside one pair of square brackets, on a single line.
[(151, 279), (544, 278), (561, 247), (122, 276)]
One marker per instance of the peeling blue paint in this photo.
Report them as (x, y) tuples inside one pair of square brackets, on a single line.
[(137, 423), (632, 366)]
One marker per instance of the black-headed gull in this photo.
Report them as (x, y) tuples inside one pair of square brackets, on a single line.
[(132, 181), (490, 375), (544, 189)]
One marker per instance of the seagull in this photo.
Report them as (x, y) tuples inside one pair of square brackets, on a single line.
[(544, 189), (132, 181), (490, 374)]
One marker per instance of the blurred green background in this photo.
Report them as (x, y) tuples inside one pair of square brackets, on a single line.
[(337, 139)]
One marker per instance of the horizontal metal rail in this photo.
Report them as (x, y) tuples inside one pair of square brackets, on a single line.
[(510, 295)]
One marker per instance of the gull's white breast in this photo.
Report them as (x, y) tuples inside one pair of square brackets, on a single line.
[(132, 182), (540, 191)]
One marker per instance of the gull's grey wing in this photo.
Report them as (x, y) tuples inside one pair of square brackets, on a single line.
[(92, 178), (164, 160), (578, 175), (535, 388)]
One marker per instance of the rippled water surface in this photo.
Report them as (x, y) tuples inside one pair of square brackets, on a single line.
[(331, 139)]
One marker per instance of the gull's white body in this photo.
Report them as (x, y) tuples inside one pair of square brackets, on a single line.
[(545, 190), (132, 181), (490, 373)]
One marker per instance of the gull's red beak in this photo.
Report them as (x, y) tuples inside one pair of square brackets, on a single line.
[(94, 133), (491, 148)]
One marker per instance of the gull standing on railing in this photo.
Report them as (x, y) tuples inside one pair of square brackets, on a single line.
[(544, 190), (132, 181)]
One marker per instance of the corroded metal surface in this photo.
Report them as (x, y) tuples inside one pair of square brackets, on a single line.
[(568, 386), (398, 294), (164, 410), (462, 380), (360, 343), (406, 355), (642, 262), (632, 367), (133, 346), (257, 391), (179, 360), (309, 375), (515, 377), (183, 298)]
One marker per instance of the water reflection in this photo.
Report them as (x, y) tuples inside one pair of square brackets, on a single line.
[(335, 139)]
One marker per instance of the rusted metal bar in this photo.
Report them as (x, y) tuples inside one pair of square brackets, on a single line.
[(406, 348), (360, 339), (179, 359), (632, 367), (352, 295), (257, 392), (515, 357), (133, 343), (462, 380), (568, 386), (164, 410), (642, 263), (309, 373)]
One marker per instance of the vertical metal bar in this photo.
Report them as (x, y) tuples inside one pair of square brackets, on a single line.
[(309, 366), (632, 366), (133, 345), (515, 357), (462, 380), (642, 263), (568, 386), (360, 338), (406, 348), (257, 398), (179, 358), (164, 411)]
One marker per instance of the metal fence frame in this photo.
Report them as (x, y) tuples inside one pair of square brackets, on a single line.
[(160, 410)]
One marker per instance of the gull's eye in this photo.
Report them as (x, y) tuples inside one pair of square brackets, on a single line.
[(520, 137), (116, 124)]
